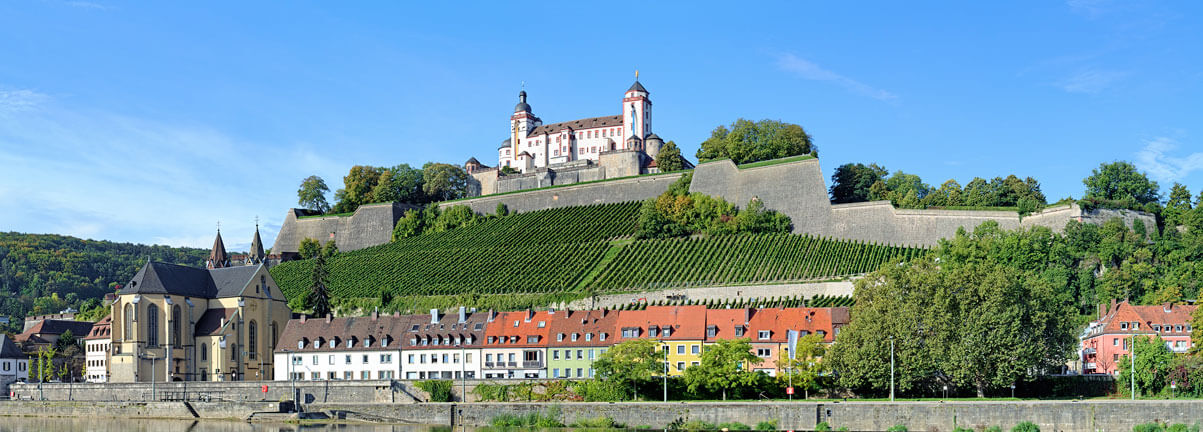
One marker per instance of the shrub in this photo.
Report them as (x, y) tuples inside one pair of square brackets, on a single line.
[(599, 422), (897, 428), (1179, 427), (735, 426), (1026, 426), (994, 429), (770, 425), (822, 427), (696, 425), (1148, 427), (439, 390), (962, 429)]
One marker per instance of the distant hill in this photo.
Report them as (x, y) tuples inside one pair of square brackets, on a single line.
[(45, 273), (543, 257)]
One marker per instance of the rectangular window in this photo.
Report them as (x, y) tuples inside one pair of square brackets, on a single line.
[(365, 375), (411, 359), (763, 352), (680, 366), (711, 331), (316, 376), (591, 357), (348, 375), (489, 358), (315, 360), (468, 358), (680, 349), (555, 354), (422, 359), (455, 358), (580, 354), (763, 335), (330, 359), (695, 349), (386, 358), (580, 373)]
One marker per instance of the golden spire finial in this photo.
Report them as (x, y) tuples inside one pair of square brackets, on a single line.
[(636, 74)]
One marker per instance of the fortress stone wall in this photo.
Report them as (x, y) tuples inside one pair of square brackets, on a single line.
[(370, 225), (607, 192), (798, 190)]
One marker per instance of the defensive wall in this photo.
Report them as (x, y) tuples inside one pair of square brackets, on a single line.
[(701, 294), (1067, 416), (796, 188), (604, 192), (369, 225)]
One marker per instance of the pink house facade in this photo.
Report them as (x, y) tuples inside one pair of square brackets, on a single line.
[(1107, 341)]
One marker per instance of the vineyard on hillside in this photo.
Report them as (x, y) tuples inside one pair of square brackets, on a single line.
[(739, 259), (537, 258)]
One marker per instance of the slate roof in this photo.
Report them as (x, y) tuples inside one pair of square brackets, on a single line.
[(211, 322), (164, 278), (309, 330), (57, 327), (257, 253), (472, 161), (9, 350), (588, 123), (637, 87), (420, 333), (218, 256)]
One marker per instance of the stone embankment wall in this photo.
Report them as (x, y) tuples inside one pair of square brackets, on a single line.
[(807, 290), (160, 410)]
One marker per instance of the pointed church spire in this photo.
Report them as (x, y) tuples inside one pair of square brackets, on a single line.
[(256, 254), (218, 257)]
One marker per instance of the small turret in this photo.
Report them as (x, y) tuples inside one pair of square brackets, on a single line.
[(256, 255), (218, 258)]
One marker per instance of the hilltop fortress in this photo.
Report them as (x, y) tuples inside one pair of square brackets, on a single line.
[(611, 159)]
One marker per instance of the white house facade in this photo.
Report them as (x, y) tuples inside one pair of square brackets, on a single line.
[(359, 348)]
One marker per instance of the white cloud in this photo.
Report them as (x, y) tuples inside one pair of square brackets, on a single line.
[(15, 101), (1090, 80), (109, 176), (1155, 159), (808, 70)]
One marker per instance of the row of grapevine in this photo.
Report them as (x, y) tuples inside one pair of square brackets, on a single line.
[(773, 302), (551, 226), (736, 259)]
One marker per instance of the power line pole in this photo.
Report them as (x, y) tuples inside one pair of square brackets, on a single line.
[(891, 368)]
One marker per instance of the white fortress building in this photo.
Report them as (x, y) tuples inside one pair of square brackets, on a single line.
[(597, 148)]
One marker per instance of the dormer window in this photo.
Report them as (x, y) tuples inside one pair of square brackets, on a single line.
[(532, 339), (1177, 328), (478, 327), (1123, 325), (413, 341), (667, 332), (711, 331), (763, 334), (821, 333), (414, 328), (515, 323), (492, 339), (1156, 328), (513, 339), (603, 336), (542, 324), (574, 337), (588, 337), (560, 337), (333, 343), (300, 344), (350, 343), (739, 331), (653, 331), (387, 340), (1136, 326)]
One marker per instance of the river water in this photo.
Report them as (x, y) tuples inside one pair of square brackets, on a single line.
[(59, 424)]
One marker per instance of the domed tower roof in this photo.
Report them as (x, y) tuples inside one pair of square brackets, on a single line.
[(522, 105)]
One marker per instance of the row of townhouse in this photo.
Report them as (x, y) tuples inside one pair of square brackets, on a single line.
[(530, 344)]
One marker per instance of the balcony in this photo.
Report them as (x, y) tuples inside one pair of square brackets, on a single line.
[(1088, 351), (1090, 366), (532, 365)]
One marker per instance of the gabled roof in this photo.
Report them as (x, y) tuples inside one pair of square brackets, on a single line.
[(587, 123), (472, 161), (725, 321), (687, 322), (528, 324), (172, 279), (9, 350), (420, 333), (593, 322), (78, 329), (102, 329), (356, 329)]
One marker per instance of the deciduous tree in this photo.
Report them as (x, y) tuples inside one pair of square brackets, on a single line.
[(1121, 182), (747, 141), (309, 248), (724, 366), (443, 182), (312, 194), (851, 182), (358, 188), (629, 363), (401, 183), (669, 158), (1153, 365)]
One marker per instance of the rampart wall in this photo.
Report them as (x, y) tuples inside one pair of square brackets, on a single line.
[(607, 192), (370, 225)]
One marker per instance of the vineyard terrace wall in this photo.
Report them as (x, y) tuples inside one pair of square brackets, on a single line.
[(605, 192), (798, 190)]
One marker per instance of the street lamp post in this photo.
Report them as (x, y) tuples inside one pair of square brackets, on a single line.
[(945, 392), (1132, 356), (292, 379), (666, 373), (1012, 390), (891, 368)]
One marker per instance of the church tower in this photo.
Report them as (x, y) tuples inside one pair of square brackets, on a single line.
[(636, 115), (256, 255), (218, 258)]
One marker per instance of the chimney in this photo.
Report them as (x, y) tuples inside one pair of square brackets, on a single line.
[(492, 315), (303, 318), (329, 317), (530, 314), (747, 316), (223, 322), (1113, 306), (1167, 307), (434, 316), (463, 315), (375, 314)]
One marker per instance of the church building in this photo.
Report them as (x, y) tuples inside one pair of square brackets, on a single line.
[(532, 144), (179, 323)]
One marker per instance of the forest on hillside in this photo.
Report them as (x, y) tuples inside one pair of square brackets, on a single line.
[(46, 273)]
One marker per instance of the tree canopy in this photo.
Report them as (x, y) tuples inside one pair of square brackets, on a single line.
[(860, 182), (312, 194), (1120, 184), (726, 365), (851, 182), (964, 315), (669, 158), (444, 181), (629, 363), (747, 141)]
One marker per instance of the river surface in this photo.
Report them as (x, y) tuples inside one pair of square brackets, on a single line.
[(60, 424)]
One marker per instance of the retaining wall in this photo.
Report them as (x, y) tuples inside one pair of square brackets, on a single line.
[(370, 225), (607, 192), (807, 290)]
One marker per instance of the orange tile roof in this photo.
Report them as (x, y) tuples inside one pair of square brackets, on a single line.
[(595, 322), (687, 322), (520, 325), (725, 322)]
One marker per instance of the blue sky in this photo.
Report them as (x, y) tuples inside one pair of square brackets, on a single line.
[(151, 122)]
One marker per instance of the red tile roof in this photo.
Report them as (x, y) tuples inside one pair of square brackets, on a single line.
[(516, 328), (1118, 318), (687, 322), (581, 323), (102, 329)]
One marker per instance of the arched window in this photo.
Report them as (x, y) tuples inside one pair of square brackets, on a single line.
[(176, 316), (204, 352), (252, 338), (129, 321), (152, 325)]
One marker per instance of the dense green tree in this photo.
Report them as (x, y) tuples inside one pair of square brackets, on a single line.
[(401, 183), (1120, 182), (309, 248), (1178, 207), (409, 225), (806, 368), (972, 314), (669, 158), (1154, 362), (677, 213), (630, 363), (318, 297), (747, 141), (726, 365), (443, 182), (851, 182), (359, 187), (312, 194), (330, 249)]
